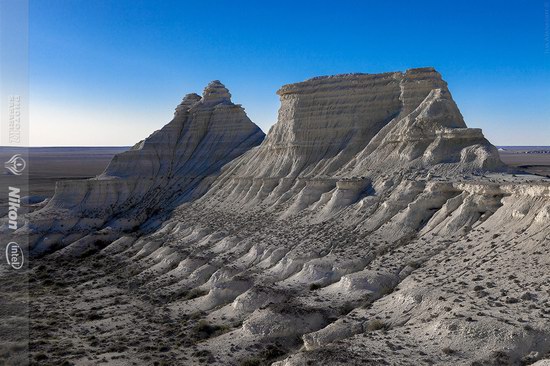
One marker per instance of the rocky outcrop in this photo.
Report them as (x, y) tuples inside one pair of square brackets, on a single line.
[(176, 164), (370, 223), (356, 125)]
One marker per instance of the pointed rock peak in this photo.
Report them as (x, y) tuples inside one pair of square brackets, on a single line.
[(215, 92), (191, 98), (188, 101), (422, 73)]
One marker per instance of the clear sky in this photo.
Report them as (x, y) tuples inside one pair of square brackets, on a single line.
[(111, 72)]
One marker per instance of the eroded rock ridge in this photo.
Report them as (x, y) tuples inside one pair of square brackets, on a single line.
[(371, 226)]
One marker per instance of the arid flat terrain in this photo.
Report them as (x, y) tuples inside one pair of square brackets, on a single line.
[(49, 165), (532, 159), (52, 164)]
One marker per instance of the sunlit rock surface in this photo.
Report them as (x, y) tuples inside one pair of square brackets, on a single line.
[(176, 164), (371, 226)]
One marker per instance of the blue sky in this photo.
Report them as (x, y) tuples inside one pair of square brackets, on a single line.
[(111, 72)]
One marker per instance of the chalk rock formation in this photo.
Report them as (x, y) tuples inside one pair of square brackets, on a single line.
[(343, 127), (174, 165), (371, 223)]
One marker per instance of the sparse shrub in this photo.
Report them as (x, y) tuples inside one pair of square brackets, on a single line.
[(314, 286), (512, 300), (271, 352), (47, 282), (448, 350), (94, 315), (194, 293), (346, 308), (251, 362), (164, 348), (366, 302), (164, 363), (196, 315), (205, 330), (500, 358), (40, 357), (204, 356), (265, 357), (88, 253), (386, 290), (376, 324), (116, 347)]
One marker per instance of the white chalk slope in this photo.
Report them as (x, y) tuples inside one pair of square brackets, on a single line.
[(175, 164), (371, 226)]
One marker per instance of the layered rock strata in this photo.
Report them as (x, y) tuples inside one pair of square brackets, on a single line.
[(176, 164), (358, 127), (371, 226)]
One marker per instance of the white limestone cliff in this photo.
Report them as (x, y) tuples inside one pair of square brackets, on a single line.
[(173, 165), (355, 125), (369, 224)]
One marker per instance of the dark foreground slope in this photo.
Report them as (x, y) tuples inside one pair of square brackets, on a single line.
[(371, 226)]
